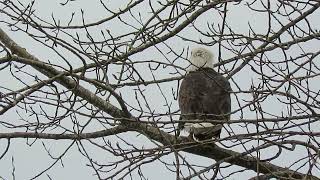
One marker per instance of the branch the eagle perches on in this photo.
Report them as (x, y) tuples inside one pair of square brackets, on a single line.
[(206, 149)]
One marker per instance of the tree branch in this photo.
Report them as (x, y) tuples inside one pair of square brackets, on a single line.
[(182, 143)]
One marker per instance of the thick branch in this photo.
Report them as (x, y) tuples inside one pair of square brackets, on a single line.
[(65, 81), (97, 134), (217, 153), (208, 150)]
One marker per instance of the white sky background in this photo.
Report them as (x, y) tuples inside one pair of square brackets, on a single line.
[(28, 161)]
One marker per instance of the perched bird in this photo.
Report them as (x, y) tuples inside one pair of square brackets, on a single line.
[(204, 95)]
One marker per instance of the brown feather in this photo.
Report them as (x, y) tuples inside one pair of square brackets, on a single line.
[(204, 95)]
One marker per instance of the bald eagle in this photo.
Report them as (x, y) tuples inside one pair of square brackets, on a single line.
[(204, 95)]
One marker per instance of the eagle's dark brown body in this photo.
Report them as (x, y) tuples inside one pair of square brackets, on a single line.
[(204, 95)]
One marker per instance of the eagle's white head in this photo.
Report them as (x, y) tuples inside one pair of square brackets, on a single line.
[(200, 58)]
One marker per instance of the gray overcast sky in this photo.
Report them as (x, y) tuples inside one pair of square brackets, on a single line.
[(30, 160)]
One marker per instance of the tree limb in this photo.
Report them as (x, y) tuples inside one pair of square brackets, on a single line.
[(182, 143)]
